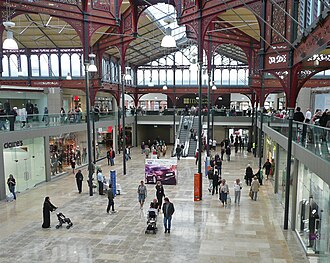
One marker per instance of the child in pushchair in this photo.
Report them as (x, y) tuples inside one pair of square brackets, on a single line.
[(151, 219), (62, 220)]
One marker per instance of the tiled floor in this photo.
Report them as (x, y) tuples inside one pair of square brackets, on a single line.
[(201, 231)]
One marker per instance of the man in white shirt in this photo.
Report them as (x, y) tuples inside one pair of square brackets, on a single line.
[(308, 116), (100, 180)]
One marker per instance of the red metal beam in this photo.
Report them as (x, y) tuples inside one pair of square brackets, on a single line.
[(211, 8), (61, 10)]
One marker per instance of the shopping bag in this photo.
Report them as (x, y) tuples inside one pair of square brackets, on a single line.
[(10, 197)]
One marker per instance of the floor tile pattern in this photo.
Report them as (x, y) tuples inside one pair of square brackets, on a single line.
[(201, 231)]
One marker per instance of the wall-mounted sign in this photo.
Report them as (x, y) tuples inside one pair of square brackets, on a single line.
[(12, 144)]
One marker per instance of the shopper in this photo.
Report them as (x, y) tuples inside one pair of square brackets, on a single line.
[(11, 182), (45, 118), (111, 202), (255, 188), (142, 194), (100, 180), (237, 190), (219, 166), (223, 191), (73, 164), (168, 211), (12, 118), (267, 166), (79, 180), (47, 208), (248, 175), (159, 194), (298, 115), (178, 151), (210, 174), (215, 182), (228, 153), (111, 157)]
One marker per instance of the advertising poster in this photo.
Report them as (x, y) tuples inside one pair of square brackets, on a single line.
[(163, 170)]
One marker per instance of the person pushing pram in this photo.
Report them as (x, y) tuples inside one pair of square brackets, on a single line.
[(152, 219)]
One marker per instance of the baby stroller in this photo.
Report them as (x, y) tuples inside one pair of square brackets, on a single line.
[(151, 222), (62, 220)]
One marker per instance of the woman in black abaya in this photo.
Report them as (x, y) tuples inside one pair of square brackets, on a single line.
[(48, 207)]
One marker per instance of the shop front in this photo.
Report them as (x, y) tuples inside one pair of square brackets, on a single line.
[(270, 154), (67, 149), (104, 141), (312, 220), (25, 160)]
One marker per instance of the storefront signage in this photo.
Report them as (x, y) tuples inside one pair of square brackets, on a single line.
[(12, 144)]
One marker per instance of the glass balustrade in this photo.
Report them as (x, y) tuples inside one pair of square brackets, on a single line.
[(36, 121), (312, 137)]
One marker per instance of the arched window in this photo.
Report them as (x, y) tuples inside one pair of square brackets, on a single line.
[(44, 65), (75, 65), (5, 69), (54, 70), (65, 64)]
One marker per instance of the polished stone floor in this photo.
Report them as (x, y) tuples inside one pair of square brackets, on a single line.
[(201, 231)]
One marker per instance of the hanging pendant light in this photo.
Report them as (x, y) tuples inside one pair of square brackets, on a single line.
[(165, 86), (214, 87), (128, 76), (9, 42), (193, 66), (168, 40), (92, 67), (68, 76)]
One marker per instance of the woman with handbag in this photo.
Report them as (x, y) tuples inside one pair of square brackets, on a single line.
[(224, 190), (237, 190)]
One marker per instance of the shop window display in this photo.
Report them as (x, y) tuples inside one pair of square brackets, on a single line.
[(26, 162), (64, 151), (312, 221)]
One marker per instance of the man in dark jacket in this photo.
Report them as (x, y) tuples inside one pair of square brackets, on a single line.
[(168, 211), (210, 177), (267, 166), (215, 182), (248, 175), (12, 118), (178, 152), (79, 180), (111, 202), (29, 110), (298, 115), (111, 156)]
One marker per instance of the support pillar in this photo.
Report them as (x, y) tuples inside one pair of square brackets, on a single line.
[(288, 171), (47, 159), (208, 114), (2, 174), (277, 166), (294, 193)]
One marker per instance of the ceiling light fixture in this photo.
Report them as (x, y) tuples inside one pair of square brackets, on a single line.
[(165, 86), (9, 42), (168, 40), (128, 76), (214, 87), (68, 76), (193, 65), (92, 67)]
